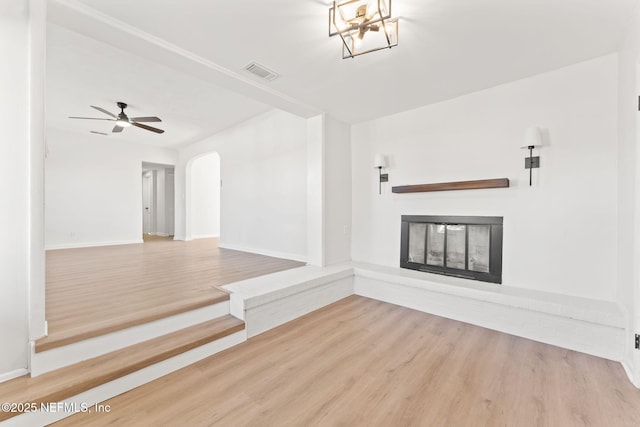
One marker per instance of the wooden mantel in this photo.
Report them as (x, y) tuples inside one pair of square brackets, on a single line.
[(458, 185)]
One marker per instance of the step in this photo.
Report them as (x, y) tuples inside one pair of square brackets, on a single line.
[(64, 383), (136, 317), (266, 302), (59, 357)]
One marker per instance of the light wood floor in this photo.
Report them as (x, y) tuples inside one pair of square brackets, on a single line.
[(153, 237), (92, 291), (360, 362)]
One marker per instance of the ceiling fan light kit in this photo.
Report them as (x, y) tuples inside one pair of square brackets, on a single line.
[(123, 121), (363, 25)]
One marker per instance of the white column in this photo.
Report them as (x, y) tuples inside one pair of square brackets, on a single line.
[(315, 190)]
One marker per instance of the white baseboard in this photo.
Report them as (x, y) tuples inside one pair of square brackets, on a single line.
[(75, 245), (266, 252), (13, 374), (592, 327), (60, 357), (126, 383)]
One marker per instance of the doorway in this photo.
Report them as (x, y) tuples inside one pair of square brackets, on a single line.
[(204, 196), (158, 204), (636, 288)]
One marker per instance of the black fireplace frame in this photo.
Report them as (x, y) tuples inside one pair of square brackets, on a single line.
[(495, 246)]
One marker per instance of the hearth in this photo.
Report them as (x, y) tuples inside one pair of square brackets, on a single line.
[(461, 246)]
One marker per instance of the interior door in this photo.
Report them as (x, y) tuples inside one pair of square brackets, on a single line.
[(170, 200), (636, 291), (147, 189)]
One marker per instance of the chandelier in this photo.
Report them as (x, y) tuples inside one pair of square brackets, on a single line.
[(363, 25)]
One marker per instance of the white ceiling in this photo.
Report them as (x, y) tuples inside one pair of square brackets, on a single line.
[(446, 48), (82, 72)]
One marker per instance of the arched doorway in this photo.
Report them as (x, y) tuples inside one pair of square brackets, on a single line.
[(203, 202)]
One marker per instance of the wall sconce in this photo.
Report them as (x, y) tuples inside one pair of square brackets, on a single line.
[(381, 162), (532, 138), (353, 19)]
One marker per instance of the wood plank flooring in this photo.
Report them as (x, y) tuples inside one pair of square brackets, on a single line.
[(361, 362), (93, 291)]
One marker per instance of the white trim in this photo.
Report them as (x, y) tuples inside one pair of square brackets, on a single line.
[(60, 357), (13, 374), (129, 382), (91, 244), (266, 252), (37, 142)]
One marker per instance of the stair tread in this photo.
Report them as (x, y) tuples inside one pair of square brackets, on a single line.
[(65, 382), (138, 317)]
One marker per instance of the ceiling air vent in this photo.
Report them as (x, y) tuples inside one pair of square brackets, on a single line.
[(261, 71)]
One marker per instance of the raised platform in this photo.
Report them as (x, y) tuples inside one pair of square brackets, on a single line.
[(269, 301), (98, 290), (581, 324), (589, 326)]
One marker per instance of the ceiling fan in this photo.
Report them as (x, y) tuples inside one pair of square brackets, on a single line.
[(123, 121)]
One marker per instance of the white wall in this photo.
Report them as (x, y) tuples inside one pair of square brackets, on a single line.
[(628, 209), (94, 189), (263, 194), (14, 186), (37, 45), (205, 196), (337, 187), (315, 190), (328, 191), (559, 234)]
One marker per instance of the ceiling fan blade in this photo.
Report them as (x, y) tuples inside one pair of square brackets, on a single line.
[(117, 128), (152, 129), (99, 133), (91, 118), (145, 119), (102, 110)]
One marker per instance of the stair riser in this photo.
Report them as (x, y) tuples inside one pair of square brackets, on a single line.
[(129, 382), (56, 358)]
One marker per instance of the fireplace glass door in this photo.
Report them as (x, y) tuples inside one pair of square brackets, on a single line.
[(417, 233), (479, 245), (469, 247)]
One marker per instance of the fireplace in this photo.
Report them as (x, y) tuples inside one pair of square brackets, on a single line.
[(461, 246)]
